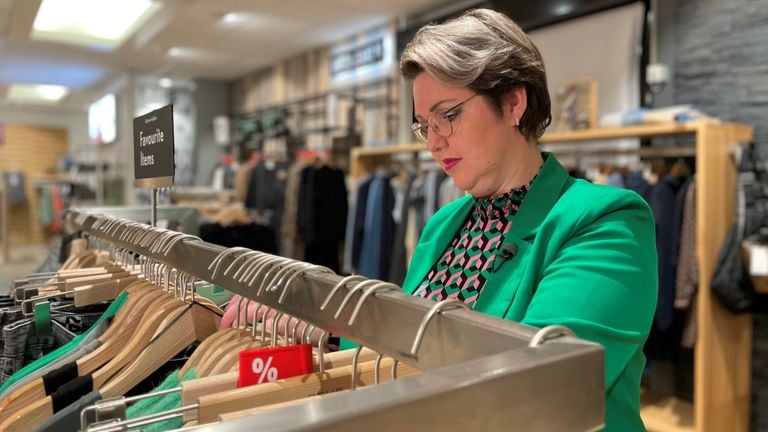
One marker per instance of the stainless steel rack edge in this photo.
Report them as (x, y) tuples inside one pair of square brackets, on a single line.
[(481, 373)]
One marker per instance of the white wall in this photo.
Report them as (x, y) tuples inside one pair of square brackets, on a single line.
[(212, 99)]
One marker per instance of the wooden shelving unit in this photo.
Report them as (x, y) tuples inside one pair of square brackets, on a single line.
[(724, 344)]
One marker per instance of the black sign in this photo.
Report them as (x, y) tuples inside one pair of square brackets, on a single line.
[(153, 148), (361, 55)]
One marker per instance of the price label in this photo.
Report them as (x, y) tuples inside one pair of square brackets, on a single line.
[(758, 260), (271, 364)]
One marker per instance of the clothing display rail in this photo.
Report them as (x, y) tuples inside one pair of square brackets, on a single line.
[(188, 216), (480, 372)]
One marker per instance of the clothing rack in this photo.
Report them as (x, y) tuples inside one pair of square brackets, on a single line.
[(479, 371), (188, 216)]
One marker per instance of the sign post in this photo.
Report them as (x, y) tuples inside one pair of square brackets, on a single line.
[(153, 145)]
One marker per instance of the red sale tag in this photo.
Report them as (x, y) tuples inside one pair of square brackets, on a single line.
[(271, 364)]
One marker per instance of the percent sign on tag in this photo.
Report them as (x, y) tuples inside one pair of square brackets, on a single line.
[(262, 365), (264, 371)]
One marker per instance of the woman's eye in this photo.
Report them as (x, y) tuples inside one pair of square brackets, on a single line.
[(450, 115)]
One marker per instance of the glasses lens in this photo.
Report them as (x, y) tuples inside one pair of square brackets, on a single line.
[(443, 126), (420, 132)]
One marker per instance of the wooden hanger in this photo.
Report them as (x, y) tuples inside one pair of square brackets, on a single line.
[(180, 325), (196, 388), (195, 323), (33, 415), (334, 380), (138, 294), (140, 298)]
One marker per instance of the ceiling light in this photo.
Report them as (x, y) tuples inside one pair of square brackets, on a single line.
[(42, 93), (96, 23), (232, 18), (563, 8), (178, 52)]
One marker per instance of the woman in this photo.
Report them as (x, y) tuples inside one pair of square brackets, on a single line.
[(528, 243)]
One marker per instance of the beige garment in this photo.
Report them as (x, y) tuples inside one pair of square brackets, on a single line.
[(411, 237), (242, 178), (688, 268), (687, 262), (291, 245)]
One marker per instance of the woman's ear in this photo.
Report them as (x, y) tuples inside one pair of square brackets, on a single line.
[(515, 104)]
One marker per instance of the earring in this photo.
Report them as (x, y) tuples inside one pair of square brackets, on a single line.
[(517, 121)]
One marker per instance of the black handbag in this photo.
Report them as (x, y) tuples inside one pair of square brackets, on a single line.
[(731, 283)]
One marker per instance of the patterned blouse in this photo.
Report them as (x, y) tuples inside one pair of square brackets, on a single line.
[(469, 259)]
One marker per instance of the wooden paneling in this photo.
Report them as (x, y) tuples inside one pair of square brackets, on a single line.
[(723, 346), (35, 151)]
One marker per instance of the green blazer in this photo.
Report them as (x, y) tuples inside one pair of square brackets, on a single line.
[(585, 259)]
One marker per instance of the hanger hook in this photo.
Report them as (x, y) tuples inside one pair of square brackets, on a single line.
[(245, 256), (300, 272), (320, 351), (252, 266), (275, 323), (377, 370), (356, 288), (394, 369), (341, 283), (355, 364), (220, 257), (266, 281), (549, 332), (382, 286), (440, 306), (255, 317)]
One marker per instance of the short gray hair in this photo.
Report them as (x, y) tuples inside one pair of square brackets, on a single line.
[(487, 52)]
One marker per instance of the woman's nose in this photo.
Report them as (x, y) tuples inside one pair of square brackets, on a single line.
[(435, 142)]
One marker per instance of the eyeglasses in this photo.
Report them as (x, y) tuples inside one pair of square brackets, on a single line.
[(443, 124)]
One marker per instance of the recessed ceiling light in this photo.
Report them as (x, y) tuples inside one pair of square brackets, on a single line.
[(40, 93), (232, 18), (102, 24), (165, 82)]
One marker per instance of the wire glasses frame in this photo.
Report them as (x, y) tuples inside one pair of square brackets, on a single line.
[(443, 124)]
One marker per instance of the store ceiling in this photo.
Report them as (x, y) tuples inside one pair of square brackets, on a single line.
[(204, 46)]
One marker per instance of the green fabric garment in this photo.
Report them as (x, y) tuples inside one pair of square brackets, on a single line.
[(586, 259), (150, 406), (73, 344)]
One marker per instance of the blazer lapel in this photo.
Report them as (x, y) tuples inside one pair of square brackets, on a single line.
[(433, 244), (503, 284), (544, 193)]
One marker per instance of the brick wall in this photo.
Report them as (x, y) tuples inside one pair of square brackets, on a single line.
[(721, 61)]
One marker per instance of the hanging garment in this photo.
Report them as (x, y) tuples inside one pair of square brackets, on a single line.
[(376, 249), (253, 236), (399, 265), (325, 201), (266, 192), (15, 187), (449, 192), (663, 204), (356, 225), (242, 178), (290, 243)]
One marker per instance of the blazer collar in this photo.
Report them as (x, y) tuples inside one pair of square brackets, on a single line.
[(544, 193)]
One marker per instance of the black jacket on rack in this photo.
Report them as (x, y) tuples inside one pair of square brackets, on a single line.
[(322, 214)]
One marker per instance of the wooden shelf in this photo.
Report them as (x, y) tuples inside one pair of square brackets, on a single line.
[(643, 131), (388, 150), (666, 414)]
